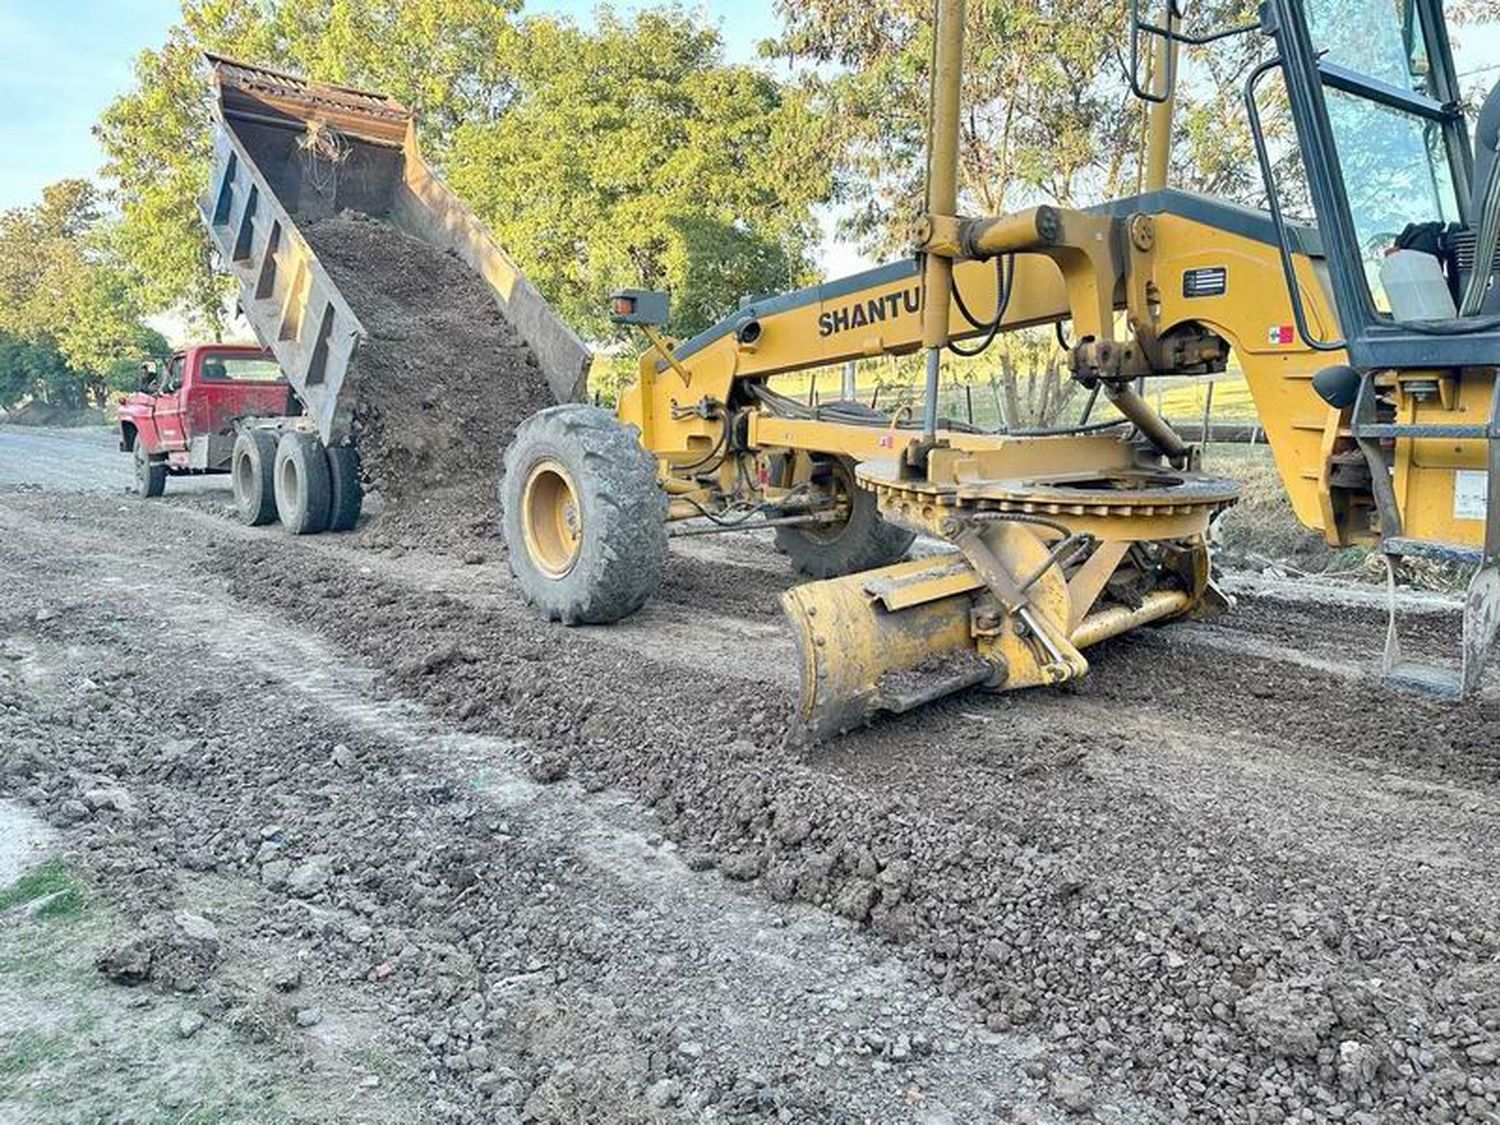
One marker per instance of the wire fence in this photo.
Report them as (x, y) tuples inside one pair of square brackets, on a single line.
[(994, 406)]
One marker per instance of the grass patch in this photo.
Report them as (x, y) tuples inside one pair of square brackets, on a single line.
[(25, 1053), (52, 878)]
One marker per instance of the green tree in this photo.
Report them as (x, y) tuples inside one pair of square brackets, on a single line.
[(629, 156), (635, 156), (1048, 115), (35, 369), (67, 306)]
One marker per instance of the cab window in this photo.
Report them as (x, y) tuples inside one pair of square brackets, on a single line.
[(1387, 122), (236, 368), (171, 382)]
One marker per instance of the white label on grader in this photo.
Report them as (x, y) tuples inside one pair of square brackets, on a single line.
[(1471, 489)]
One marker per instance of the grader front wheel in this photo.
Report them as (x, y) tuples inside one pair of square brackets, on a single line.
[(583, 516), (862, 541)]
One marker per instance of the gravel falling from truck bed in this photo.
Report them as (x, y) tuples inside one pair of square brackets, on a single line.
[(443, 378)]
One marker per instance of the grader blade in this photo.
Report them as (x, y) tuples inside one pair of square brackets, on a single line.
[(883, 640)]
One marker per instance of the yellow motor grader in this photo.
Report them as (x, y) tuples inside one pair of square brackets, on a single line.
[(1369, 339)]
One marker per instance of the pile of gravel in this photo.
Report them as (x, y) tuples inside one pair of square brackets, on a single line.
[(442, 379)]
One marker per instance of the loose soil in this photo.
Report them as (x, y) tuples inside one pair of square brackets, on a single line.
[(442, 378), (1226, 877)]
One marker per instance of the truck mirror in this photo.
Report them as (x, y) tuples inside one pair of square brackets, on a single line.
[(149, 373), (639, 306)]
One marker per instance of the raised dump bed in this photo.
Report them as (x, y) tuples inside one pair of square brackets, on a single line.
[(288, 151)]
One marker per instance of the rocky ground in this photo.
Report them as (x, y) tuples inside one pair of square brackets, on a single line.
[(392, 849)]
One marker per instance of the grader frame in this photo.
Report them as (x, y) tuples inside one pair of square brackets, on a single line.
[(1058, 540)]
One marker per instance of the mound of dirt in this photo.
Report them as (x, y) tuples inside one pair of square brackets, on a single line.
[(443, 378)]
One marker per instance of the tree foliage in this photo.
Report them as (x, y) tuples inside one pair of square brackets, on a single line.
[(635, 156), (67, 306), (1047, 112)]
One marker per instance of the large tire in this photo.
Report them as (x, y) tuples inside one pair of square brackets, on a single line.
[(862, 542), (583, 516), (303, 491), (252, 470), (150, 472), (346, 495)]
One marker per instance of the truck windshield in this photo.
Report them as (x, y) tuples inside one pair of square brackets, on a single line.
[(1387, 121), (218, 368)]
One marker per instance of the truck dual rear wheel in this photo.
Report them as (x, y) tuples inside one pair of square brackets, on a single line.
[(583, 516), (304, 489), (863, 541), (345, 495), (150, 473), (252, 470)]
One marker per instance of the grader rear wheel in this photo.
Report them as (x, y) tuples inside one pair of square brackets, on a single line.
[(583, 516), (863, 541)]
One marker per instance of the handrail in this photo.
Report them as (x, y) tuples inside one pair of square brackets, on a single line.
[(1278, 221)]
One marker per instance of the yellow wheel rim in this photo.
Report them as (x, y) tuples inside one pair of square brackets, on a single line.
[(551, 519)]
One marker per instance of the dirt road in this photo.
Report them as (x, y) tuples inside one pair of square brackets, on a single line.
[(85, 459), (535, 874)]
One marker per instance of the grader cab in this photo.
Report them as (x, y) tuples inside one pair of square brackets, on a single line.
[(1375, 384)]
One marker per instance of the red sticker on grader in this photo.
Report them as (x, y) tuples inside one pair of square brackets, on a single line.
[(1280, 334)]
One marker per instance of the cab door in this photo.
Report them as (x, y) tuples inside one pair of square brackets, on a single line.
[(170, 411)]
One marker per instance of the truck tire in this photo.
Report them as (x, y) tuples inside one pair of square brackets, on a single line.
[(862, 542), (303, 490), (584, 519), (252, 469), (346, 497), (150, 473)]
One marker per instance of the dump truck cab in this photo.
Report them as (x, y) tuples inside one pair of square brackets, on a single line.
[(184, 417)]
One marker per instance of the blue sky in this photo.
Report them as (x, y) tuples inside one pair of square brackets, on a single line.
[(62, 61)]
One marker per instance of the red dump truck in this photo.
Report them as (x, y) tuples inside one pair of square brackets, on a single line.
[(288, 152), (220, 408)]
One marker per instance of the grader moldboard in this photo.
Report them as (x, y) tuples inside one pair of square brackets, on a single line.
[(1383, 424)]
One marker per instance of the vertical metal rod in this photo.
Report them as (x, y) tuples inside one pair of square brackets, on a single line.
[(942, 189), (1208, 411), (969, 400), (812, 390), (850, 389), (1164, 74), (930, 394)]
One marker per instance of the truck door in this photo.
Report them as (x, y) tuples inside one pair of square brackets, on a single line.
[(169, 409)]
